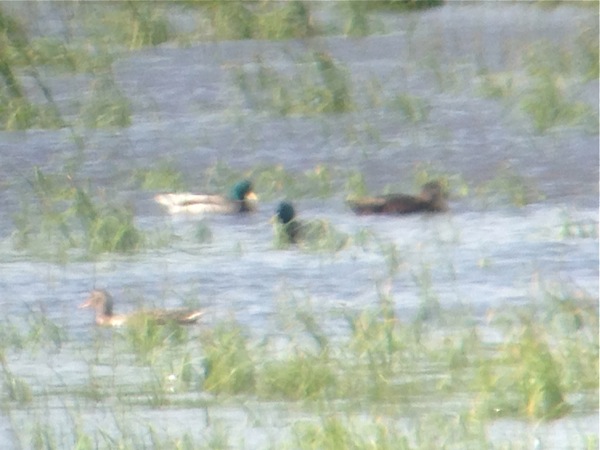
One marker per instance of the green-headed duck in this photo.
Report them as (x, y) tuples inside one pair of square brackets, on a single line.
[(242, 199)]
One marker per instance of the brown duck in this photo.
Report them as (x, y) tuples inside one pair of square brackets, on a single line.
[(431, 199), (101, 301)]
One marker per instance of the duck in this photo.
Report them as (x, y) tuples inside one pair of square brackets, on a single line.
[(290, 227), (432, 198), (241, 199), (315, 234), (102, 302)]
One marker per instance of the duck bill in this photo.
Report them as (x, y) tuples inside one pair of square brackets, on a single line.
[(252, 196), (86, 304)]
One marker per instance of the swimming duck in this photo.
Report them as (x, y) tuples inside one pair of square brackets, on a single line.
[(288, 224), (431, 199), (242, 199), (102, 302), (315, 234)]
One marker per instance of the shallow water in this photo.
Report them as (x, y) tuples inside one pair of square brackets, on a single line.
[(186, 111)]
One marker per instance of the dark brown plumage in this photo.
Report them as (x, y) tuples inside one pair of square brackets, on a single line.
[(431, 199)]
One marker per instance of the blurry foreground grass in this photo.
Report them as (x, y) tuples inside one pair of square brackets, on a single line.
[(357, 389)]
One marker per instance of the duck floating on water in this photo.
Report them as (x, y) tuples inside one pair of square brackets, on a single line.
[(314, 234), (242, 199), (431, 199), (289, 225), (102, 302)]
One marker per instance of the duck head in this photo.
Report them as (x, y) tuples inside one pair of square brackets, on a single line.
[(433, 193), (242, 191), (285, 212), (101, 301)]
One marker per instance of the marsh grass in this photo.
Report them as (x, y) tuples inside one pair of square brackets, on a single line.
[(355, 185), (63, 216), (275, 181), (229, 366), (336, 433), (20, 114), (588, 59), (67, 57), (164, 176), (259, 20), (127, 25), (548, 105), (106, 106), (414, 109), (300, 377), (511, 187), (525, 381), (15, 389), (147, 336), (574, 228), (547, 90), (357, 387), (357, 22), (402, 5), (320, 85)]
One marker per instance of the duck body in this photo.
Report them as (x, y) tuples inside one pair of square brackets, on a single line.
[(242, 199), (431, 199), (102, 302)]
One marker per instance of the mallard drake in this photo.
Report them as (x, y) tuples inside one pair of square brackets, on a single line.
[(242, 199), (287, 222), (102, 302), (315, 234), (431, 199)]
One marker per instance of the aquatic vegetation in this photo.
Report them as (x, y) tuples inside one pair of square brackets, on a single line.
[(302, 376), (547, 91), (510, 186), (129, 25), (386, 367), (68, 57), (20, 114), (357, 23), (548, 106), (497, 85), (572, 228), (63, 216), (356, 185), (17, 111), (414, 109), (147, 336), (164, 176), (320, 86), (106, 106), (229, 367), (526, 381), (203, 233), (402, 5), (414, 365), (588, 60), (275, 181), (265, 20), (14, 388)]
